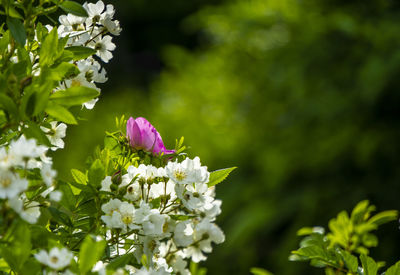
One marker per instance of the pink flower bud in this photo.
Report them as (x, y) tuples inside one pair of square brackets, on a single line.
[(143, 135)]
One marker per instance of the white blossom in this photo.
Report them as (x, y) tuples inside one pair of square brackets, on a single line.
[(56, 259)]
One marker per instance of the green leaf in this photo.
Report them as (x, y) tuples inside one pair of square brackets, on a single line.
[(17, 30), (96, 173), (74, 96), (349, 260), (59, 216), (34, 131), (74, 8), (60, 113), (19, 248), (370, 267), (120, 261), (68, 199), (7, 104), (394, 269), (64, 70), (90, 252), (79, 177), (384, 217), (259, 271), (48, 50), (80, 52), (219, 176)]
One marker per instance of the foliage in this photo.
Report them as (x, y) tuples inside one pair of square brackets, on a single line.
[(345, 248)]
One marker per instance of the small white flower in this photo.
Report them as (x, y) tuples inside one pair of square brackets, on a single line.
[(56, 259), (55, 195), (90, 104), (72, 22), (188, 171), (154, 223), (179, 265), (103, 46), (133, 192), (111, 206), (48, 174), (105, 184), (11, 185), (127, 211), (55, 134), (112, 26), (183, 234), (24, 149)]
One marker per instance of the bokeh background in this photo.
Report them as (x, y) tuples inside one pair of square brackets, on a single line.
[(302, 95)]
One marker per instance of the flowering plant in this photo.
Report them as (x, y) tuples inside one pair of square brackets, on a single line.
[(138, 208)]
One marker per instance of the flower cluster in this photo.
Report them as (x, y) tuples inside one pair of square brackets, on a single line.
[(92, 32), (24, 159), (165, 213)]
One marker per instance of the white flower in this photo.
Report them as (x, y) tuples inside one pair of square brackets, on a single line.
[(24, 149), (55, 195), (5, 162), (183, 234), (95, 12), (90, 104), (72, 22), (154, 223), (111, 206), (31, 212), (133, 192), (127, 211), (114, 220), (48, 174), (55, 134), (192, 195), (188, 171), (112, 26), (103, 46), (205, 232), (100, 268), (56, 259), (105, 184), (11, 185), (179, 265), (151, 271)]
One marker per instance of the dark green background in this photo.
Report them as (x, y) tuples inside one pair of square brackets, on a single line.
[(302, 96)]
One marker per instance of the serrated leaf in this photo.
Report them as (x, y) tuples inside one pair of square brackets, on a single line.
[(74, 8), (48, 50), (369, 266), (90, 252), (74, 96), (219, 176), (79, 177), (68, 198), (17, 30), (60, 113), (80, 52), (394, 269), (349, 260)]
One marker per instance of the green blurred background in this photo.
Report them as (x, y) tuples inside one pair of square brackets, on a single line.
[(302, 96)]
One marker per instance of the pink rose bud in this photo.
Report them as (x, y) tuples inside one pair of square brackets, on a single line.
[(143, 135)]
